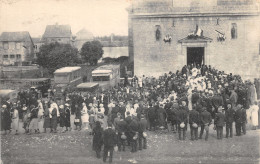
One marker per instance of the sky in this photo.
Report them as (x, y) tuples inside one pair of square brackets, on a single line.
[(101, 17)]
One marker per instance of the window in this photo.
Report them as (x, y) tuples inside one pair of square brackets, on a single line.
[(234, 31), (100, 78), (158, 32), (18, 56), (5, 56), (6, 45), (18, 45), (12, 56)]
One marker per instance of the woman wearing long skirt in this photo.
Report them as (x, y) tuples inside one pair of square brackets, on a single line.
[(62, 117), (15, 120), (254, 115), (40, 114), (54, 113), (77, 121), (5, 119), (97, 139), (85, 116), (67, 117), (47, 121), (34, 120)]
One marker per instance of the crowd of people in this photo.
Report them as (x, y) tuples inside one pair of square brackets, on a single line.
[(197, 96)]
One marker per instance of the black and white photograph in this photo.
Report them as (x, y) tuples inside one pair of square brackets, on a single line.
[(130, 81)]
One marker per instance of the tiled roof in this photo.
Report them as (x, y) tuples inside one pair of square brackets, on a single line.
[(15, 36), (53, 31)]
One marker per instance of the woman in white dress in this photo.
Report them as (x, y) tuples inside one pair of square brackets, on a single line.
[(85, 116), (254, 115), (15, 120)]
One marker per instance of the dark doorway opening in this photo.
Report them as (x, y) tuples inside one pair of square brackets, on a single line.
[(195, 55)]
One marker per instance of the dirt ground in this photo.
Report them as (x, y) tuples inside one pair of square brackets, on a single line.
[(75, 147)]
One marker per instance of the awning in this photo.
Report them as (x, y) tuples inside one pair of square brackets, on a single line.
[(87, 85), (101, 74)]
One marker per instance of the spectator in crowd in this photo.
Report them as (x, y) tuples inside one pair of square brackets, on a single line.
[(97, 139)]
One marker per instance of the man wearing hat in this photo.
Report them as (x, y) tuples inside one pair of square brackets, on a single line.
[(206, 119), (109, 140), (121, 129), (238, 119), (142, 132), (229, 118), (133, 133), (194, 120), (219, 122), (182, 119)]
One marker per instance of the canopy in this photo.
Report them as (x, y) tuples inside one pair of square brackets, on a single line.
[(87, 85)]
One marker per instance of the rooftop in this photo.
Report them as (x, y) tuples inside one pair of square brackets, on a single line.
[(87, 85), (57, 31), (67, 69), (18, 36)]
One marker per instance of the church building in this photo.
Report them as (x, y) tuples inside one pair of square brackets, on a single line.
[(165, 35)]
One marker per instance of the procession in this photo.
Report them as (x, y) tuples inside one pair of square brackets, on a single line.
[(194, 98), (127, 82)]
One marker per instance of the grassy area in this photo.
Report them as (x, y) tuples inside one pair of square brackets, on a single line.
[(75, 147)]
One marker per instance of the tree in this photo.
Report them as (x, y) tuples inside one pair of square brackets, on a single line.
[(55, 55), (91, 52)]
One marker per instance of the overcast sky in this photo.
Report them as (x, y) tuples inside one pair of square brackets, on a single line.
[(101, 17)]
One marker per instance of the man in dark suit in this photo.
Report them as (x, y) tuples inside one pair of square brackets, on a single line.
[(110, 140), (121, 129), (182, 117), (229, 118), (142, 129), (219, 122), (206, 119), (194, 118), (238, 120), (133, 133), (244, 120)]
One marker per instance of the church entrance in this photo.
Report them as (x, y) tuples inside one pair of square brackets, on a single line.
[(195, 55)]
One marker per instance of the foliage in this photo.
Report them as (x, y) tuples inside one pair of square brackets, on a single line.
[(55, 55), (91, 52)]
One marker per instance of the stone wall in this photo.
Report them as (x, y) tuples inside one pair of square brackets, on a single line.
[(237, 56)]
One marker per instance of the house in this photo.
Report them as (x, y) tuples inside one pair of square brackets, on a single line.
[(165, 35), (81, 37), (16, 47), (37, 44), (58, 33)]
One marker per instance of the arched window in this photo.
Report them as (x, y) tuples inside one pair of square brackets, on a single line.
[(234, 31)]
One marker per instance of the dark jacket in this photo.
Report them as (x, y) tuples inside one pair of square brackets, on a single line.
[(194, 117), (229, 115), (205, 117), (110, 138), (219, 119), (122, 126), (142, 125), (182, 116), (238, 116)]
